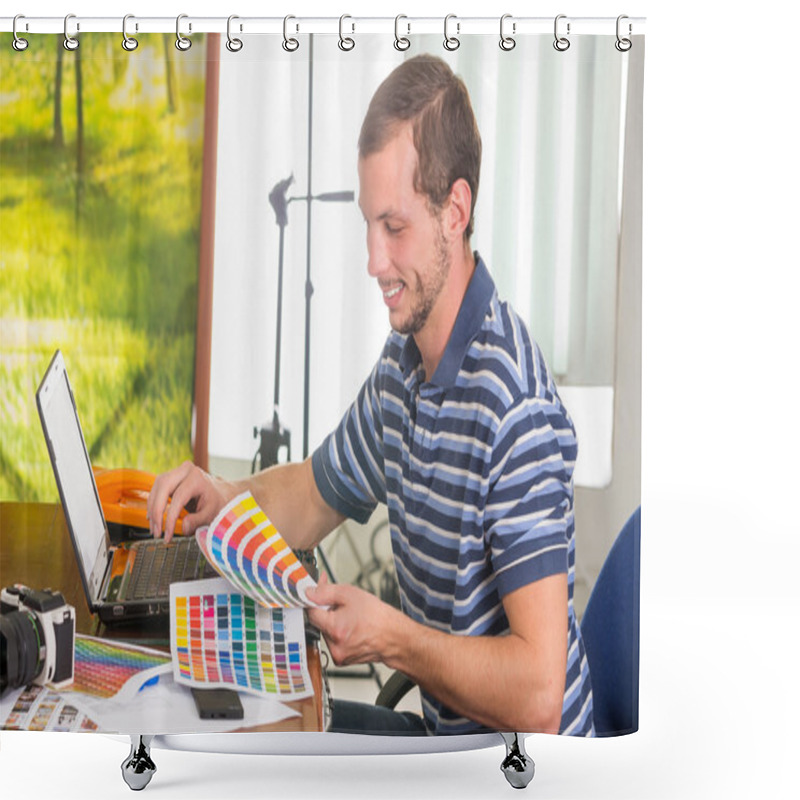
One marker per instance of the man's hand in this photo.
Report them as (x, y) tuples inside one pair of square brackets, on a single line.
[(184, 484), (355, 623)]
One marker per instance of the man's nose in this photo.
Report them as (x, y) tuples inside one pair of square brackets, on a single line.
[(378, 257)]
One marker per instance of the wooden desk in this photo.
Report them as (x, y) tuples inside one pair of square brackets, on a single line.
[(35, 550)]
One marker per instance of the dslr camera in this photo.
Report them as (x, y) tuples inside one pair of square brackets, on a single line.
[(37, 638)]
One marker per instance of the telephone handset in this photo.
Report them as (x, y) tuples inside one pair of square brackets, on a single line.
[(123, 496)]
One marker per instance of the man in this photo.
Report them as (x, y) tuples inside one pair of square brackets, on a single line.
[(459, 430)]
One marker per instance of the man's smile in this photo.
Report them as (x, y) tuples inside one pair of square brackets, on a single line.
[(391, 292)]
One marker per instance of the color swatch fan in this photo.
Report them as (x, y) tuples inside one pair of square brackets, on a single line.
[(245, 547)]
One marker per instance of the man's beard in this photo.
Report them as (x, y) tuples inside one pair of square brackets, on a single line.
[(427, 294)]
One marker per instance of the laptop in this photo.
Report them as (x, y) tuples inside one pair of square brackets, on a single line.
[(123, 581)]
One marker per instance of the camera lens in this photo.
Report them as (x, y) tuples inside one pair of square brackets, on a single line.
[(21, 649)]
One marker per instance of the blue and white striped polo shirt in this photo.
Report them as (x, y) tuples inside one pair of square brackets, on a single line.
[(475, 467)]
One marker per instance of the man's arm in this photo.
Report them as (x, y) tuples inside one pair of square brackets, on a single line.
[(510, 683), (287, 493)]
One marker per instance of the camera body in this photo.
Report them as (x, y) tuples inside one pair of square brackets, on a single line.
[(37, 638)]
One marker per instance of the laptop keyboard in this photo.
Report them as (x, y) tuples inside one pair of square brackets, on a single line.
[(158, 564)]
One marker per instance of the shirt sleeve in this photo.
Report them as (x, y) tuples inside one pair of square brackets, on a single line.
[(530, 511), (348, 466)]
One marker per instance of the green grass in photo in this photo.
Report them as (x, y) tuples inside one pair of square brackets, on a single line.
[(100, 173)]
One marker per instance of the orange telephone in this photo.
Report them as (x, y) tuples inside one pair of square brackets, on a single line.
[(123, 496)]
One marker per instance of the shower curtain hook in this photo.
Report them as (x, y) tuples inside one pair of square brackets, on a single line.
[(290, 44), (561, 43), (401, 43), (623, 44), (234, 45), (18, 43), (128, 42), (507, 42), (451, 42), (70, 43), (346, 43), (182, 42)]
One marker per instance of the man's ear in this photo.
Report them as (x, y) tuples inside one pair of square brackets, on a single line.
[(458, 209)]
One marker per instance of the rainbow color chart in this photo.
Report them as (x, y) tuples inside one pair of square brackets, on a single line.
[(104, 669), (222, 638), (245, 548)]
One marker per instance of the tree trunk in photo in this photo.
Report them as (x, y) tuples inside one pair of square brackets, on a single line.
[(79, 165), (58, 127), (170, 72)]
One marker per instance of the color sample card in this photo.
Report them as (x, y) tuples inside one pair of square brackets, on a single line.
[(36, 708), (220, 637), (245, 548), (108, 669)]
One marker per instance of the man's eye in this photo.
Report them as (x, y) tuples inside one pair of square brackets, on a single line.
[(393, 229)]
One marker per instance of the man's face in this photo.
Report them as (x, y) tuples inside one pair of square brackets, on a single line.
[(408, 252)]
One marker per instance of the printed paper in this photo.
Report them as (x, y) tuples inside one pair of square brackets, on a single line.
[(114, 669), (37, 708), (221, 637)]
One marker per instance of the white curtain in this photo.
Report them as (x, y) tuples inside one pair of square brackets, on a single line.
[(547, 216)]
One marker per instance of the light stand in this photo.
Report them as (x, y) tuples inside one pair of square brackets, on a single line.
[(274, 436)]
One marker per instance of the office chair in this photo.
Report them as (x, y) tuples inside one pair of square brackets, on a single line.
[(610, 631)]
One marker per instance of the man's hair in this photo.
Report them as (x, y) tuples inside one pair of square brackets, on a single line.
[(424, 91)]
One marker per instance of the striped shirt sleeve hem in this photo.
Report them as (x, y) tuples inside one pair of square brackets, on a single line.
[(332, 489), (537, 566)]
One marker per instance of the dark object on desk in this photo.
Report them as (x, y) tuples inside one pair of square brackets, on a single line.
[(218, 703), (37, 638)]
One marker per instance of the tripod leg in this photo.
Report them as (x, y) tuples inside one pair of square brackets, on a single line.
[(518, 766), (138, 768)]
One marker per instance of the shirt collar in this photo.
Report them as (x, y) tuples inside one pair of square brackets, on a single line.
[(471, 314)]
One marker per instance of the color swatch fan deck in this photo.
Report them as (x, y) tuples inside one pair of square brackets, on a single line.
[(244, 547)]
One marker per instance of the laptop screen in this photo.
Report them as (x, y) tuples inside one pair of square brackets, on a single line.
[(73, 472)]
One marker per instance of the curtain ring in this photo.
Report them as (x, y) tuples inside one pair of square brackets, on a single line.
[(182, 42), (233, 45), (289, 44), (401, 43), (451, 42), (561, 43), (128, 42), (507, 42), (70, 42), (18, 43), (345, 42), (623, 44)]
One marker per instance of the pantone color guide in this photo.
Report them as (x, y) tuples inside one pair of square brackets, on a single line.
[(221, 637), (245, 548)]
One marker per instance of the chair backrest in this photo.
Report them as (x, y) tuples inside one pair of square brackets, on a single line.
[(610, 630)]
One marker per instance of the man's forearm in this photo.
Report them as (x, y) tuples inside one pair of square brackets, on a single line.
[(289, 497), (501, 682)]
